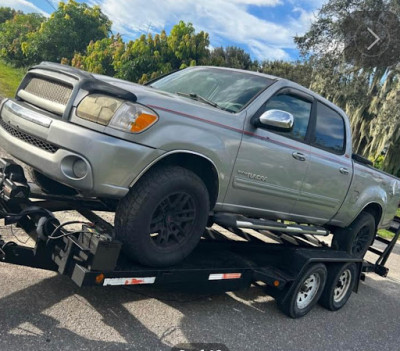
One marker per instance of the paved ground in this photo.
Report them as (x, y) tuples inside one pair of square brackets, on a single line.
[(40, 310)]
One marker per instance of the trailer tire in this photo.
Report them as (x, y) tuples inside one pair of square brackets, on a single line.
[(339, 286), (160, 221), (49, 185), (306, 292), (357, 237)]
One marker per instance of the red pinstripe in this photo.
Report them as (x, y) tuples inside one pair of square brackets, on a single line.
[(217, 124)]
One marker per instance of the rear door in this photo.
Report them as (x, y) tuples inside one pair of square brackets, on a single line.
[(271, 164), (330, 168)]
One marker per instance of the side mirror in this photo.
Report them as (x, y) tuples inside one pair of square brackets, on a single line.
[(276, 119)]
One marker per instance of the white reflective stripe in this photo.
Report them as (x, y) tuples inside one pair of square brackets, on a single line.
[(221, 276), (129, 281)]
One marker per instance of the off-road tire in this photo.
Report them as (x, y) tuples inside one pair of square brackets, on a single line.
[(136, 211), (349, 239)]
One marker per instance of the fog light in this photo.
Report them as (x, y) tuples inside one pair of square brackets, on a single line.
[(79, 168)]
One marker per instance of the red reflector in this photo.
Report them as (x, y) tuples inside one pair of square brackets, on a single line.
[(232, 275), (134, 281)]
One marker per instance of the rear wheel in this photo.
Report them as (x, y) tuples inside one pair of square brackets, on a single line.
[(357, 237), (306, 293), (162, 218)]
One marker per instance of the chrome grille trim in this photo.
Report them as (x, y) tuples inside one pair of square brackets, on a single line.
[(27, 138), (29, 115)]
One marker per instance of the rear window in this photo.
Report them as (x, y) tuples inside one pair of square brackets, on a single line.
[(329, 130)]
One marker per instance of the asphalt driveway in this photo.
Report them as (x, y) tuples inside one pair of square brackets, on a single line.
[(43, 311)]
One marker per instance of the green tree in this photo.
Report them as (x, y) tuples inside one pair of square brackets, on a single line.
[(68, 30), (13, 33), (188, 48), (233, 57), (150, 56), (100, 55), (299, 72), (369, 95), (7, 13)]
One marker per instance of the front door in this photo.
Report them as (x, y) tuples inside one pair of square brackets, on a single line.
[(271, 164)]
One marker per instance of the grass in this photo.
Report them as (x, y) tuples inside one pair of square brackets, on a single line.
[(10, 77), (385, 233)]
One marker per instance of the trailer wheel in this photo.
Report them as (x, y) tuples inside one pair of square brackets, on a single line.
[(339, 286), (49, 185), (357, 237), (161, 220), (306, 293)]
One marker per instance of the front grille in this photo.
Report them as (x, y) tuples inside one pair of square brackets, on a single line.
[(17, 133), (48, 90)]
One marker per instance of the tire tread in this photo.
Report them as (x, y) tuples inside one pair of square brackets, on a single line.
[(145, 190)]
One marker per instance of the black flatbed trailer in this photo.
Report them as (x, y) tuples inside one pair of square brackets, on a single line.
[(225, 260)]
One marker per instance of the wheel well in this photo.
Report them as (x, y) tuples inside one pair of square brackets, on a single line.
[(375, 210), (198, 165)]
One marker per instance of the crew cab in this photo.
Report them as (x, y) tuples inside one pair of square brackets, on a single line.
[(193, 144)]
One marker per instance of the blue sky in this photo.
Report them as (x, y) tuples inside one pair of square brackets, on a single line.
[(264, 28)]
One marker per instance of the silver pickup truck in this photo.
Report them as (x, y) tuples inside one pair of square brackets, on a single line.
[(194, 144)]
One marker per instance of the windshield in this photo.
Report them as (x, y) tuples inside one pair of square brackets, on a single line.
[(228, 90)]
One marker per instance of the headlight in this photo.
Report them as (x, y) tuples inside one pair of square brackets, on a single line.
[(133, 118), (116, 113), (98, 108)]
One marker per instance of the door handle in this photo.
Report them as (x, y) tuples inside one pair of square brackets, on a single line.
[(344, 170), (299, 156)]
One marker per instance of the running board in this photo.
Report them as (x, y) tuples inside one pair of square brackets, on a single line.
[(232, 221)]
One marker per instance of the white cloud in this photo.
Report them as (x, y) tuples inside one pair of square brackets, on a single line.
[(315, 4), (303, 22), (227, 21), (263, 51), (224, 20), (258, 2), (23, 5)]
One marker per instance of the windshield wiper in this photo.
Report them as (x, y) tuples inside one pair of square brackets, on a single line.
[(199, 98)]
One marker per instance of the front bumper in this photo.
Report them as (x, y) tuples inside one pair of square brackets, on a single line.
[(48, 144)]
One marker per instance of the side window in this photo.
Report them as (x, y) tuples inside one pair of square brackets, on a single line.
[(299, 108), (329, 130)]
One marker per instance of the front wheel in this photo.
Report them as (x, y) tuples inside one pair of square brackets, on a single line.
[(162, 218)]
